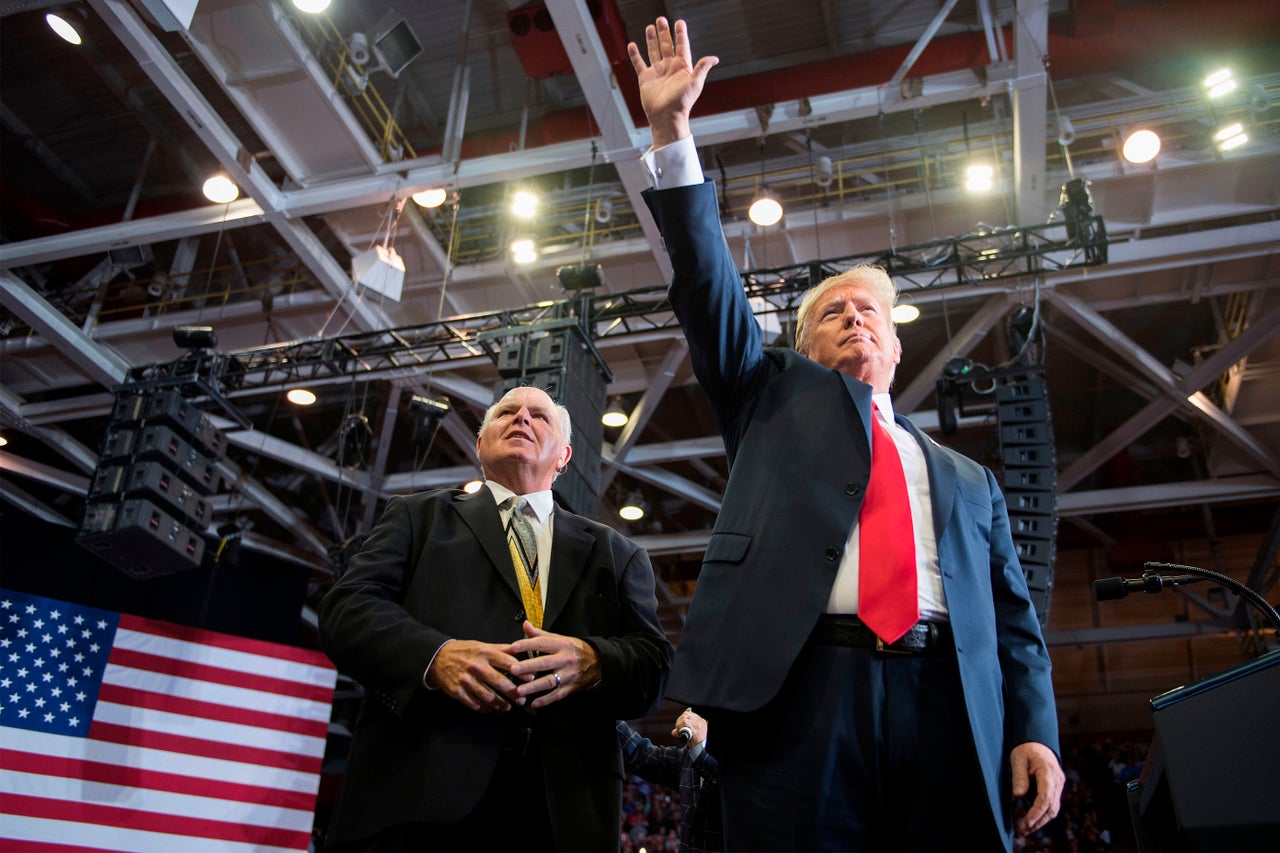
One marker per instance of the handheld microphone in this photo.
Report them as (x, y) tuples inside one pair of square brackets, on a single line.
[(685, 734)]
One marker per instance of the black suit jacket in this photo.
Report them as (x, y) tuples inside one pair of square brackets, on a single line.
[(436, 567)]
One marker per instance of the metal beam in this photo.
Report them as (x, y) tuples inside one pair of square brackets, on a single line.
[(100, 363)]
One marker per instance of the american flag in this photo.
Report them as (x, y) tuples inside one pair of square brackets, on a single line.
[(123, 733)]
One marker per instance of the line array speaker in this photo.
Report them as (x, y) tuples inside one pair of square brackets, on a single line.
[(1030, 480), (147, 506)]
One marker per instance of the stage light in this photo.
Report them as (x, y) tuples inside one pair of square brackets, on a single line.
[(979, 178), (614, 416), (431, 198), (195, 337), (524, 204), (300, 396), (63, 27), (523, 251), (633, 509), (1141, 146), (472, 487), (311, 7), (1231, 136), (221, 190), (765, 210), (1219, 83), (3, 441), (904, 313)]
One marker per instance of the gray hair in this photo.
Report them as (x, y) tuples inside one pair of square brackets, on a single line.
[(872, 277), (564, 424)]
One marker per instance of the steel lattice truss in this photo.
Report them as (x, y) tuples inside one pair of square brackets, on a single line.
[(979, 257)]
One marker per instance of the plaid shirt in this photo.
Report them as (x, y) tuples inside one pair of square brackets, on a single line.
[(694, 772)]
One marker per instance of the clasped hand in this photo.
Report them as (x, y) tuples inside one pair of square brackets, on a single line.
[(489, 677)]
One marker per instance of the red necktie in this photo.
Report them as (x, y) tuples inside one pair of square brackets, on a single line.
[(887, 600)]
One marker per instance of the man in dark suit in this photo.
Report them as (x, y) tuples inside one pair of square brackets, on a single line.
[(690, 769), (834, 732), (481, 730)]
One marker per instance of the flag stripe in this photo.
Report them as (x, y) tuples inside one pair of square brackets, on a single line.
[(159, 761), (187, 667), (126, 836), (131, 818), (274, 655), (17, 761), (152, 804), (125, 735), (206, 707)]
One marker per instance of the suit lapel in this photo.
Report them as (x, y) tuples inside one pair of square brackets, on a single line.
[(860, 392), (942, 476), (570, 547), (480, 513)]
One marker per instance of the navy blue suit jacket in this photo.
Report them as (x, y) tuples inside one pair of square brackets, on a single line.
[(436, 567), (797, 435)]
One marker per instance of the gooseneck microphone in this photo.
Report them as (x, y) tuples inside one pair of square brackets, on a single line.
[(1152, 581)]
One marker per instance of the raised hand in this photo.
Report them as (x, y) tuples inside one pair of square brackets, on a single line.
[(670, 82)]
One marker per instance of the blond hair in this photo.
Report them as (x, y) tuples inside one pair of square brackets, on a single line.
[(868, 276)]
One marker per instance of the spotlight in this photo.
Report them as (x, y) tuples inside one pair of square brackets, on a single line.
[(979, 178), (614, 416), (472, 487), (431, 198), (311, 7), (1231, 136), (765, 210), (1141, 146), (523, 251), (1076, 205), (300, 396), (582, 277), (1220, 83), (632, 508), (62, 25), (904, 313), (524, 204), (427, 414), (195, 337), (3, 441), (221, 190), (823, 172)]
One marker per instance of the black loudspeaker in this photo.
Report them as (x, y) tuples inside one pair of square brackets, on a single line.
[(140, 539), (147, 511), (1030, 481), (1209, 779)]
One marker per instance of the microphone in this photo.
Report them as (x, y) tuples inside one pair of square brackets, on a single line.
[(1109, 589), (685, 734), (1152, 582)]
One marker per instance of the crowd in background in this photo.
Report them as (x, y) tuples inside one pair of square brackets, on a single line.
[(1094, 815)]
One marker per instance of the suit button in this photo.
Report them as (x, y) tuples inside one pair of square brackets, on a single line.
[(832, 553), (853, 489)]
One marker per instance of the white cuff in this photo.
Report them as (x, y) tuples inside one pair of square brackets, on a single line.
[(674, 165)]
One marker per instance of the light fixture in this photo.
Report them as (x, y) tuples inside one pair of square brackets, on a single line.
[(632, 510), (311, 7), (1141, 146), (63, 26), (614, 416), (524, 251), (1219, 83), (300, 396), (1231, 136), (221, 190), (3, 441), (979, 178), (431, 198), (524, 204), (472, 487), (195, 337), (765, 210), (904, 313)]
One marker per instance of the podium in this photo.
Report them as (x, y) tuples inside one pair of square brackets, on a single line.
[(1209, 782)]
